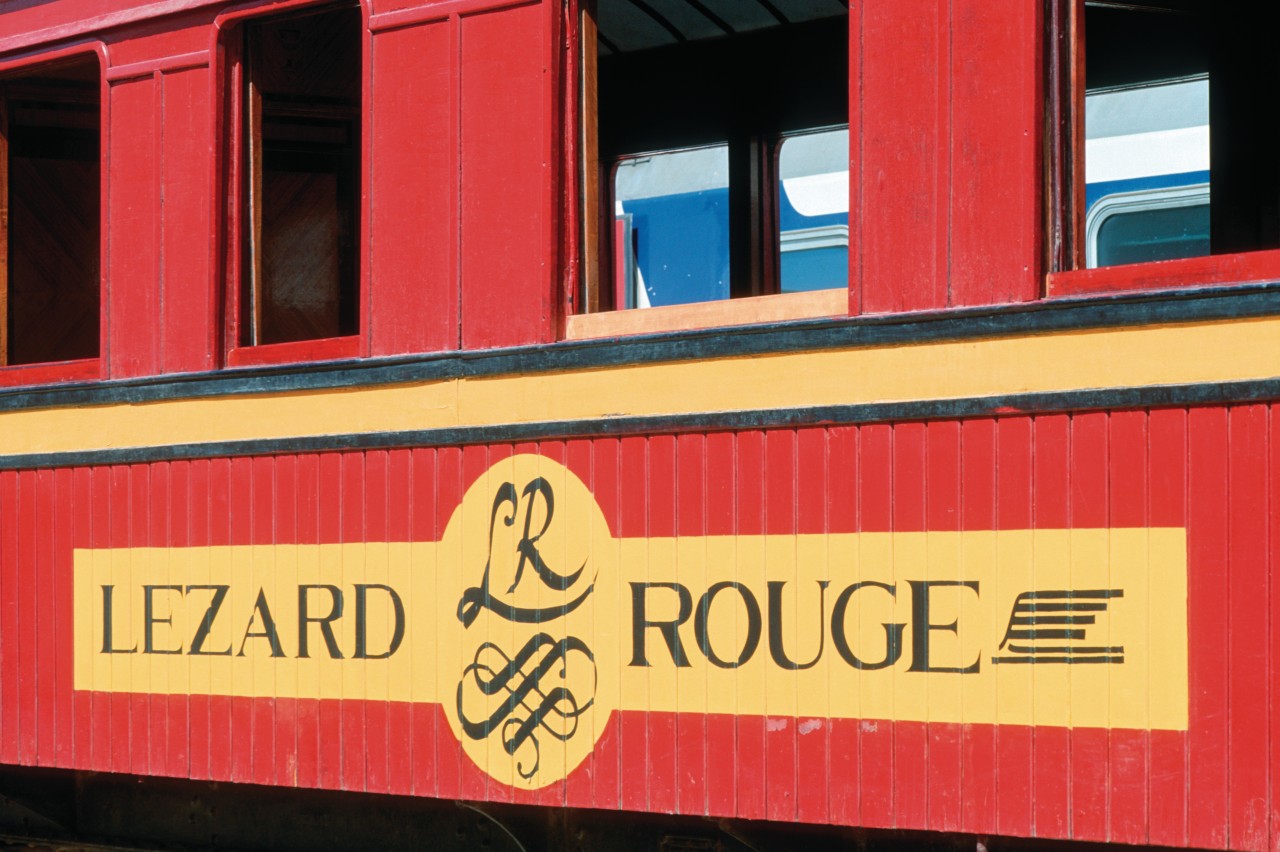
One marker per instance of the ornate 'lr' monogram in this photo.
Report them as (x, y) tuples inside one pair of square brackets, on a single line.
[(529, 694)]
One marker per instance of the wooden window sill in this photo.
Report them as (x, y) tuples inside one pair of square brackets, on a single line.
[(52, 373), (758, 309), (1211, 271), (295, 352)]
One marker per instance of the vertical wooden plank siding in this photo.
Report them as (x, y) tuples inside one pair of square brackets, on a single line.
[(1209, 470), (996, 128), (414, 193), (189, 293), (506, 261), (134, 320), (904, 231)]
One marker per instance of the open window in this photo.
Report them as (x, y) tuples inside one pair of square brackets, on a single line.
[(1166, 141), (716, 150), (296, 85), (50, 213)]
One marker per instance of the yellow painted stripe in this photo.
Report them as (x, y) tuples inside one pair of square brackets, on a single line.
[(1148, 690), (1116, 358)]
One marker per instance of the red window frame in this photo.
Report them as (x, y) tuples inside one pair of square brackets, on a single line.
[(230, 76), (80, 369)]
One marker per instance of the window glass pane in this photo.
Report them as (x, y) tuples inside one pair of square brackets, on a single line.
[(672, 237), (1157, 234), (1146, 128), (813, 211)]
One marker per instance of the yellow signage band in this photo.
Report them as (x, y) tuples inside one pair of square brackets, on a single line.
[(530, 623)]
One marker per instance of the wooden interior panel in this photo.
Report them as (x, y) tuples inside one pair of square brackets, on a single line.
[(52, 172), (302, 111)]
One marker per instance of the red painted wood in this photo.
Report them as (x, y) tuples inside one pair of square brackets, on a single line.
[(1089, 496), (813, 735), (506, 295), (1248, 654), (910, 741), (978, 512), (1222, 269), (1014, 511), (307, 772), (1168, 787), (942, 499), (47, 639), (27, 593), (330, 491), (189, 292), (49, 374), (152, 497), (200, 530), (354, 521), (399, 528), (903, 226), (1273, 562), (1208, 615), (749, 501), (243, 529), (133, 229), (691, 729), (996, 118), (842, 781), (661, 729), (780, 726), (1129, 750), (450, 487), (876, 769), (1052, 747), (262, 735), (414, 298)]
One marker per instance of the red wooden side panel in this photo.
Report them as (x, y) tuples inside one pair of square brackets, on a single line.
[(1168, 787), (413, 189), (507, 249), (1208, 492), (189, 295), (905, 174), (133, 156), (994, 198), (947, 189), (1209, 470), (1248, 655)]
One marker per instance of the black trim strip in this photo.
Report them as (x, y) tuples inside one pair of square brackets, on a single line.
[(1246, 301), (1164, 396)]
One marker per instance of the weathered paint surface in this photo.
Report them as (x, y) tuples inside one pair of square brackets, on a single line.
[(1173, 507)]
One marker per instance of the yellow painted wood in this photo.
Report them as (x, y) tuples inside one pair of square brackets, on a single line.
[(1116, 358)]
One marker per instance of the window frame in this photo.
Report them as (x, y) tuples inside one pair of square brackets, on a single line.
[(230, 76), (1067, 232), (755, 297), (79, 369)]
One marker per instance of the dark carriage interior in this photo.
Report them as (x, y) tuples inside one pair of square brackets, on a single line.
[(679, 74)]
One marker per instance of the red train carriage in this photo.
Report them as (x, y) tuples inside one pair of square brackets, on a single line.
[(340, 450)]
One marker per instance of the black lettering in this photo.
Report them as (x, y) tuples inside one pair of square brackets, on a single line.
[(107, 647), (668, 629), (397, 635), (892, 632), (921, 626), (262, 612), (776, 650), (149, 618), (206, 623), (325, 622), (703, 613)]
